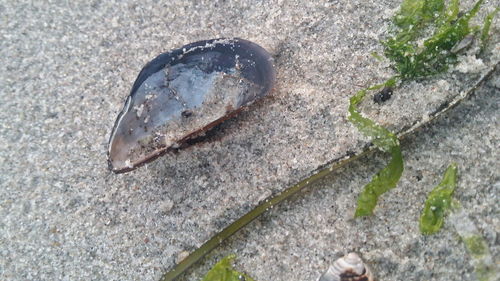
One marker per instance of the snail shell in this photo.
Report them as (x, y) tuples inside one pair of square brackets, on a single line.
[(348, 268), (181, 94)]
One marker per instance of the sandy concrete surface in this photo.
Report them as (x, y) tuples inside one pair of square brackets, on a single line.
[(66, 68)]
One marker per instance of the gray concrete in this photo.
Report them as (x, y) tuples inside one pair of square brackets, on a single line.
[(67, 67)]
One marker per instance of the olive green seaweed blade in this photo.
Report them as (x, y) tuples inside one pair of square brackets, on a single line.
[(384, 140), (438, 202), (223, 271), (485, 32)]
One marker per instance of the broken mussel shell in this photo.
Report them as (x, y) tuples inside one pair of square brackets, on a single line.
[(181, 94), (348, 268)]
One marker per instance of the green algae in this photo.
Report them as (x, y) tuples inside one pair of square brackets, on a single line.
[(422, 41), (484, 264), (485, 32), (415, 56), (476, 246), (383, 139), (438, 202), (223, 271)]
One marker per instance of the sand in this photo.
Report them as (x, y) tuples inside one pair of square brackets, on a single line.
[(67, 67)]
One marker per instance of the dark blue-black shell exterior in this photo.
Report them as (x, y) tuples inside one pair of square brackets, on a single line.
[(186, 91), (248, 52)]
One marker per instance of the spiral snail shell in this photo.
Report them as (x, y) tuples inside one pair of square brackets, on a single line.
[(348, 268)]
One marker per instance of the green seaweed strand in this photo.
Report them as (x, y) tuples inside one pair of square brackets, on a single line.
[(477, 247), (481, 258), (486, 28), (265, 205), (438, 202), (223, 271), (385, 140), (413, 61)]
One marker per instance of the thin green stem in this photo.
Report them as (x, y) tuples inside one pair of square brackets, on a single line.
[(227, 232)]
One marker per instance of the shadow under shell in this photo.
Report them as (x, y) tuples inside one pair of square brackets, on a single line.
[(184, 92)]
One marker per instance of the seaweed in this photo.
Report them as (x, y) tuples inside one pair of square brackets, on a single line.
[(438, 202), (481, 258), (223, 271), (386, 141), (486, 28), (414, 55), (476, 246), (413, 59)]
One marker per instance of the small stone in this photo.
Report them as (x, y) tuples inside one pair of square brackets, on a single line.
[(383, 95), (166, 206), (181, 256)]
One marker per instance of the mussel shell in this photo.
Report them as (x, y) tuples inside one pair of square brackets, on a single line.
[(184, 92)]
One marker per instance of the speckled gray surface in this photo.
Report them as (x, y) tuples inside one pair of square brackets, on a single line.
[(301, 238), (68, 66)]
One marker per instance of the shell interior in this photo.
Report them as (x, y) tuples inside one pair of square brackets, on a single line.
[(184, 92)]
